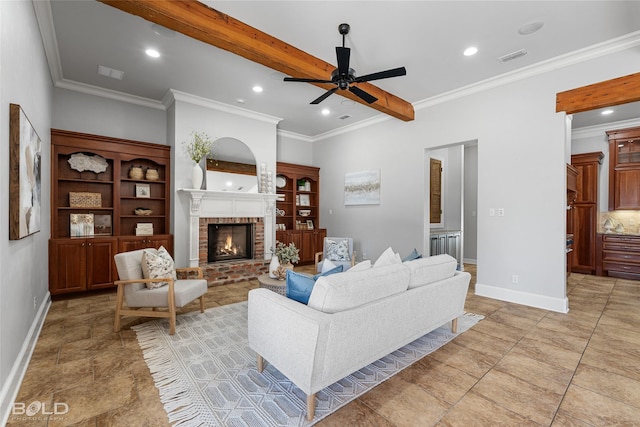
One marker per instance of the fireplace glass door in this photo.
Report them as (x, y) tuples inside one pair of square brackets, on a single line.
[(230, 242)]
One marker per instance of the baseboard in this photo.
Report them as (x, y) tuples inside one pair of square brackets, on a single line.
[(470, 261), (10, 389), (560, 305)]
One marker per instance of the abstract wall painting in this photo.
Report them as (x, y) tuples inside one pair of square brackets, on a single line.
[(362, 188), (25, 150)]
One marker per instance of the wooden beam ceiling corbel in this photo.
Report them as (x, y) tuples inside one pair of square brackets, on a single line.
[(197, 20), (608, 93)]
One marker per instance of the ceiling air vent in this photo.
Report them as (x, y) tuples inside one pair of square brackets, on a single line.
[(344, 117), (110, 72), (513, 55)]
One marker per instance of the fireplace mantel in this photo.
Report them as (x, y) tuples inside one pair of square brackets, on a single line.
[(228, 204)]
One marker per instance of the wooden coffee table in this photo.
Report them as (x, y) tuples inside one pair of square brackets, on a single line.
[(275, 285)]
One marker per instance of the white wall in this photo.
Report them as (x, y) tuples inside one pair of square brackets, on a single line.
[(521, 168), (85, 113), (24, 80), (190, 113), (470, 235), (294, 150)]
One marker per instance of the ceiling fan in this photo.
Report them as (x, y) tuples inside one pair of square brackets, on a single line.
[(343, 76)]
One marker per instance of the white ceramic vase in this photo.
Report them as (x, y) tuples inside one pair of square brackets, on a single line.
[(273, 267), (196, 176)]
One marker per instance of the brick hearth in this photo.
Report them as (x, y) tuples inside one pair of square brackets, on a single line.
[(226, 272)]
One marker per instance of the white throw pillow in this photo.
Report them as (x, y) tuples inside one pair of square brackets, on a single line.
[(157, 264), (327, 265), (361, 266), (388, 257)]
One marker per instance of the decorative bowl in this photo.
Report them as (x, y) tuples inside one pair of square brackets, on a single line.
[(143, 211), (304, 212)]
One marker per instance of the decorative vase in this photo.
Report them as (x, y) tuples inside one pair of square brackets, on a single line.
[(273, 266), (196, 176)]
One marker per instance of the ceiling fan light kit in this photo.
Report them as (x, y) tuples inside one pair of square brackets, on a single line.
[(345, 77)]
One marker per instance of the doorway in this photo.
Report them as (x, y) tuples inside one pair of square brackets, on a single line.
[(458, 198)]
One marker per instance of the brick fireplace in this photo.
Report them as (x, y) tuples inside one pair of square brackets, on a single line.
[(221, 207)]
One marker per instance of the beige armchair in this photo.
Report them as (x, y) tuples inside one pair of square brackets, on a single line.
[(339, 250), (143, 302)]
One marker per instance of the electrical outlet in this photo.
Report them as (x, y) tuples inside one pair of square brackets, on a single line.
[(514, 278), (500, 211), (35, 303)]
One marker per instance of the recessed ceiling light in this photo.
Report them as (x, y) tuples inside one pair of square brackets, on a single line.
[(152, 53), (325, 111), (240, 101), (257, 89), (530, 28), (470, 51), (607, 112)]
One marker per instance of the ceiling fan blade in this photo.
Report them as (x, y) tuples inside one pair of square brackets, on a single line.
[(343, 54), (324, 96), (362, 94), (395, 72), (295, 79)]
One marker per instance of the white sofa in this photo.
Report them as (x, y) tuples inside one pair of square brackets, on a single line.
[(353, 319)]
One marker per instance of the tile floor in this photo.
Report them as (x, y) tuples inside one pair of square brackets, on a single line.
[(519, 366)]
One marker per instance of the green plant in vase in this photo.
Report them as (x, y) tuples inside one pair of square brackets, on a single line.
[(287, 254)]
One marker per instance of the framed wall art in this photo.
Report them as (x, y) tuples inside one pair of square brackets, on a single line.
[(143, 190), (362, 188), (25, 149)]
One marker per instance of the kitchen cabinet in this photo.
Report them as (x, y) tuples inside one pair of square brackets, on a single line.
[(624, 168), (621, 256), (584, 212)]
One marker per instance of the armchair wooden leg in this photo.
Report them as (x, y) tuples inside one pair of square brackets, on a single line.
[(454, 325), (260, 363), (311, 406), (119, 301), (202, 304)]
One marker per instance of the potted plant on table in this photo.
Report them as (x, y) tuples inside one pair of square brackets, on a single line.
[(287, 255), (197, 148)]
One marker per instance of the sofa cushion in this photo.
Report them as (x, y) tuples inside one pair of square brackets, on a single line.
[(364, 265), (388, 257), (431, 269), (414, 254), (339, 292), (299, 285)]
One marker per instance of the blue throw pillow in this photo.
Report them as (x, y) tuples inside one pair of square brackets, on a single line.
[(413, 255), (299, 286)]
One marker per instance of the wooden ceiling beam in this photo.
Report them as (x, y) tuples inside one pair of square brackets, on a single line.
[(608, 93), (197, 20)]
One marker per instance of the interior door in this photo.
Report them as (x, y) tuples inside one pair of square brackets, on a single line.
[(435, 194)]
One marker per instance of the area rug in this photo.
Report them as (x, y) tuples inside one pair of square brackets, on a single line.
[(206, 373)]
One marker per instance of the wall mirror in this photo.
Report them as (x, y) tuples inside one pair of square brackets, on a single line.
[(232, 167)]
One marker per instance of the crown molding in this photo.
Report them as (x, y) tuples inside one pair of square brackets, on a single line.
[(108, 93), (608, 47), (294, 135), (173, 95), (600, 130), (44, 16)]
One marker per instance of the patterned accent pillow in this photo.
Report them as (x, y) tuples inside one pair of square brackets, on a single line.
[(338, 251), (157, 264)]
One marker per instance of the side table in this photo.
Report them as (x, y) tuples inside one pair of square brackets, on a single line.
[(275, 285)]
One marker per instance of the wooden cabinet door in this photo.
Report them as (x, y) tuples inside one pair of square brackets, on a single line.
[(587, 183), (133, 243), (165, 240), (308, 248), (67, 265), (627, 189), (584, 238), (101, 271)]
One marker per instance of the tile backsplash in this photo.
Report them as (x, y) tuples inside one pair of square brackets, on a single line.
[(629, 220)]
